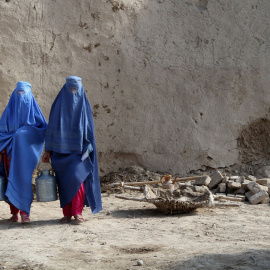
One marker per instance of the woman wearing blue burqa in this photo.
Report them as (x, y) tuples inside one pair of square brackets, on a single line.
[(70, 143), (22, 131)]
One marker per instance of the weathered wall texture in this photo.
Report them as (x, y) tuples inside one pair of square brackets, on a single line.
[(172, 83)]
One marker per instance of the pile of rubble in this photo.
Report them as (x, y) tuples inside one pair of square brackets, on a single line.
[(244, 188), (235, 188)]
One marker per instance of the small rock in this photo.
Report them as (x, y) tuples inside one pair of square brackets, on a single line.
[(251, 178), (201, 189), (255, 187), (265, 201), (216, 178), (240, 191), (203, 181), (225, 179), (140, 262), (222, 187), (234, 185), (263, 181), (248, 194), (245, 183), (234, 177), (258, 197)]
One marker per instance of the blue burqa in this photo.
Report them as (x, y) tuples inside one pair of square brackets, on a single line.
[(22, 130), (69, 134)]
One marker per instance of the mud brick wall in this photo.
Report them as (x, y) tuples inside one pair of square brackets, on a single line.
[(175, 86)]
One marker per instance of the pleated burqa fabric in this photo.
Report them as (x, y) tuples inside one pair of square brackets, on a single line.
[(22, 131), (69, 134)]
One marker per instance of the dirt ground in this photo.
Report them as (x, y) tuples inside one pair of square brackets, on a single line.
[(128, 231)]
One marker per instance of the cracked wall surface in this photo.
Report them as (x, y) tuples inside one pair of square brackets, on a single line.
[(172, 83)]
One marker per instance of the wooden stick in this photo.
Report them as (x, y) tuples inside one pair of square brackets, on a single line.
[(228, 198), (131, 198), (156, 182), (133, 188)]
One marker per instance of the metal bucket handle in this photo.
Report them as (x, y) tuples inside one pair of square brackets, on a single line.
[(39, 170)]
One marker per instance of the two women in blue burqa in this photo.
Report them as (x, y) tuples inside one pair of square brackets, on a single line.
[(70, 143), (22, 130)]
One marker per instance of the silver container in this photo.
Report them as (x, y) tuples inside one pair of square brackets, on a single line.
[(46, 187), (3, 187)]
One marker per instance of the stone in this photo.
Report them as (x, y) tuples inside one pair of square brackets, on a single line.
[(203, 181), (240, 191), (245, 183), (234, 185), (200, 189), (251, 178), (265, 201), (258, 197), (255, 187), (237, 179), (225, 179), (234, 177), (222, 187), (248, 194), (216, 178), (215, 190), (264, 181)]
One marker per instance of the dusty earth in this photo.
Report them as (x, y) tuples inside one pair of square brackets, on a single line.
[(128, 231)]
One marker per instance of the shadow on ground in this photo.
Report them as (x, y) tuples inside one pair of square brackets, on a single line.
[(252, 259), (6, 224), (146, 213)]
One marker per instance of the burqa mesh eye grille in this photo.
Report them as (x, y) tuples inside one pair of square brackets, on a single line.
[(20, 92)]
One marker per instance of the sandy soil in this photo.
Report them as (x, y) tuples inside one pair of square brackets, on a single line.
[(128, 231)]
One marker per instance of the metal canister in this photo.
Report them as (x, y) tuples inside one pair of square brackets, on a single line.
[(46, 186), (3, 187)]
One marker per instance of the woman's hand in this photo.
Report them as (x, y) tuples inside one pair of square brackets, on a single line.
[(46, 157)]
